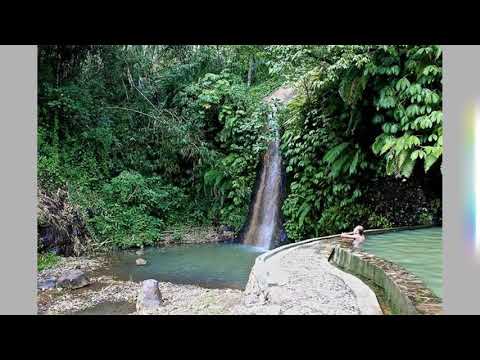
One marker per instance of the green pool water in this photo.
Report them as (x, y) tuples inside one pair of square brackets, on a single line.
[(419, 251), (206, 265)]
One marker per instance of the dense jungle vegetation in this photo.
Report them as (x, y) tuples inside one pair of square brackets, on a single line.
[(146, 140)]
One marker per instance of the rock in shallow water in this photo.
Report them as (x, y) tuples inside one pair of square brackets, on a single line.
[(149, 297), (73, 279), (141, 262), (226, 234)]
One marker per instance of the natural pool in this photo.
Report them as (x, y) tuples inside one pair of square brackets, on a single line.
[(419, 251), (206, 265)]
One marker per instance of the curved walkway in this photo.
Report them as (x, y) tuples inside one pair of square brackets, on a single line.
[(302, 281)]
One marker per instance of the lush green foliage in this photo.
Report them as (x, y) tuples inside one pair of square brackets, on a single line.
[(46, 261), (364, 112), (148, 138), (235, 126)]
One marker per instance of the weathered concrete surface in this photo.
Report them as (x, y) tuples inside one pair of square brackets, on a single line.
[(298, 279), (404, 292)]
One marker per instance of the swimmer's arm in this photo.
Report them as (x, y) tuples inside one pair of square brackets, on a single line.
[(354, 237)]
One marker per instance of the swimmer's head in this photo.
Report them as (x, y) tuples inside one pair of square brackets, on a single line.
[(358, 230)]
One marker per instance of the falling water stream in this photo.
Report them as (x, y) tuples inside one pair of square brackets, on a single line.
[(264, 226)]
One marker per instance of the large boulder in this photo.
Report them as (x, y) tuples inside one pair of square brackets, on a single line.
[(149, 298), (73, 279)]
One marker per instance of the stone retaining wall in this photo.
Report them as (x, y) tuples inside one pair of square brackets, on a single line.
[(405, 293)]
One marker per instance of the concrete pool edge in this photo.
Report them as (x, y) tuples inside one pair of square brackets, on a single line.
[(266, 277), (405, 292)]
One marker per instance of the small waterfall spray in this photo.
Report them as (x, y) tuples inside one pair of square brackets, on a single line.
[(264, 226)]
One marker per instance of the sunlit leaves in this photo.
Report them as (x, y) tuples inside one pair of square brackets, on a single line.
[(365, 111)]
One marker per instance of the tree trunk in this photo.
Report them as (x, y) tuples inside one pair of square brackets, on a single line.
[(58, 74), (251, 71)]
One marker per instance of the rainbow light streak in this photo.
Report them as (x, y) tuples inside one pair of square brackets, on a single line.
[(476, 180), (471, 167)]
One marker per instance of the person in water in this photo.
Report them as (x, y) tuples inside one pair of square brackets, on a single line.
[(358, 236)]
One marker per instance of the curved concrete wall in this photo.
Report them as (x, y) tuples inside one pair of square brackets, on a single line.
[(261, 277), (268, 277), (404, 292)]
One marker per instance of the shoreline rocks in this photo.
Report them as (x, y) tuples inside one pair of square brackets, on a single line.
[(47, 284), (176, 299), (226, 234), (73, 279)]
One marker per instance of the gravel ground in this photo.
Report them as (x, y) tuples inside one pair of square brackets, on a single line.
[(194, 300), (102, 288), (104, 292), (178, 299), (70, 263)]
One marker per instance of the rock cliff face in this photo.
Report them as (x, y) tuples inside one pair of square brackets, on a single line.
[(403, 203), (60, 225)]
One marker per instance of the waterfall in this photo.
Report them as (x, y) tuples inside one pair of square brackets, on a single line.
[(264, 226)]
